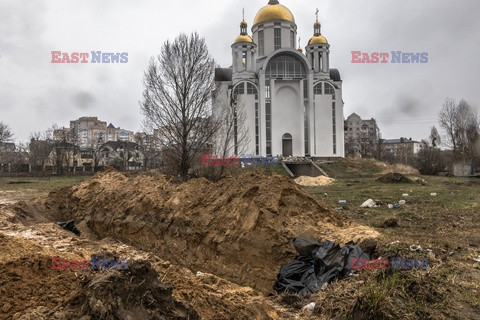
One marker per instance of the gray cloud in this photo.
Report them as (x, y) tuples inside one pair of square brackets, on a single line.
[(83, 100), (404, 98)]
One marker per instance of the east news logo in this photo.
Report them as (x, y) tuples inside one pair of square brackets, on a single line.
[(82, 57), (396, 57)]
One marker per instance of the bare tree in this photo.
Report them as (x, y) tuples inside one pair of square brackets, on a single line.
[(461, 125), (64, 151), (150, 150), (233, 135), (178, 86), (435, 139), (40, 147), (430, 160), (6, 134), (447, 120)]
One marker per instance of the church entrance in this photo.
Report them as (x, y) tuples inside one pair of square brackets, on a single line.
[(287, 145)]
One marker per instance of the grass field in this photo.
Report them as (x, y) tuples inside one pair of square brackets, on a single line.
[(14, 189), (446, 226), (39, 183)]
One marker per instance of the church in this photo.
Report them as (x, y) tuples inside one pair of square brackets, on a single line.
[(290, 98)]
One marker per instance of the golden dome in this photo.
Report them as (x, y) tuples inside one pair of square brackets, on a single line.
[(318, 40), (273, 11), (243, 23), (243, 38)]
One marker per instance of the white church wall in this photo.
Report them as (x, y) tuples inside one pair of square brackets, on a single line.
[(340, 129), (323, 126), (287, 116), (247, 104)]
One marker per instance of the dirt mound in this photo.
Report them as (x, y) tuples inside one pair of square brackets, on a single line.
[(27, 280), (314, 181), (352, 168), (133, 293), (238, 228), (33, 295), (393, 177)]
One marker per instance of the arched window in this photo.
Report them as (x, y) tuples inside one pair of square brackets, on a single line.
[(287, 145), (329, 89), (285, 66), (245, 88), (324, 88)]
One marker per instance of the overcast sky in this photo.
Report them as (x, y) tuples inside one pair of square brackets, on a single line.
[(404, 98)]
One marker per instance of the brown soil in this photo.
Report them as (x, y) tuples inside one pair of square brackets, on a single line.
[(27, 280), (134, 293), (31, 290), (238, 228)]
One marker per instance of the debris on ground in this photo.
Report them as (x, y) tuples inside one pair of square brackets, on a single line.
[(314, 181), (433, 194), (415, 247), (369, 204), (392, 243), (308, 309), (420, 180), (316, 265), (394, 177)]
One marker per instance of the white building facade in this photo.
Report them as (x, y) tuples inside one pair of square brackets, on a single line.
[(292, 101)]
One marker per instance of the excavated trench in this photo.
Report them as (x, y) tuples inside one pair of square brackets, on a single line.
[(238, 228)]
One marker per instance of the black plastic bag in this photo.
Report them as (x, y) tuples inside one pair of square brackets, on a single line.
[(70, 226), (316, 264)]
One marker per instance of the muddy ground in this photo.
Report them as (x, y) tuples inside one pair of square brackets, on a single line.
[(212, 250)]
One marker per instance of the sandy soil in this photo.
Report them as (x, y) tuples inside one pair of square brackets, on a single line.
[(219, 244)]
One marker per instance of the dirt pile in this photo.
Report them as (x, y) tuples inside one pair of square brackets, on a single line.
[(238, 228), (393, 177), (314, 181), (133, 293), (27, 280), (30, 293)]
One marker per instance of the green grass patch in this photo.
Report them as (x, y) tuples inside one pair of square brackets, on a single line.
[(39, 183)]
